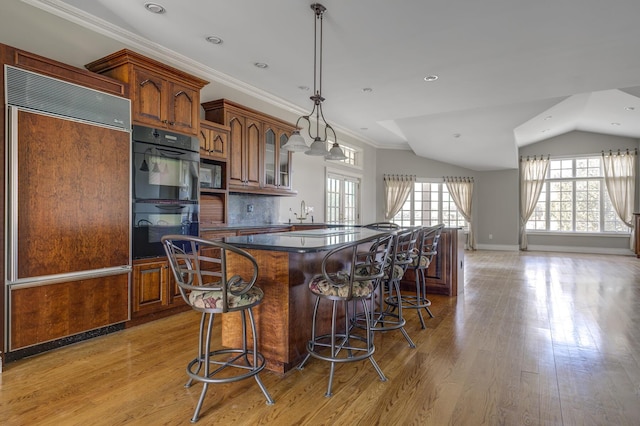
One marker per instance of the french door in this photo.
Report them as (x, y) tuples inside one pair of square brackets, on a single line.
[(343, 199)]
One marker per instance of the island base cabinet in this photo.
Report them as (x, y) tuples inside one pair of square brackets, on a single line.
[(445, 275), (284, 318), (48, 312)]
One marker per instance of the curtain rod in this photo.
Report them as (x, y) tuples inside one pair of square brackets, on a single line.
[(611, 152)]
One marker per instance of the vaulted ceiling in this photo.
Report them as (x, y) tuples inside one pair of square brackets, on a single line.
[(510, 72)]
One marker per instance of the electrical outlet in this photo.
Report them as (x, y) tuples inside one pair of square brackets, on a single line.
[(249, 208), (491, 236)]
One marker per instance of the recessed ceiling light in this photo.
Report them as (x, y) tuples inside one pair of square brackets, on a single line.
[(456, 135), (629, 108), (155, 7), (548, 117), (545, 130), (260, 65), (214, 40), (431, 78), (304, 88), (615, 124), (367, 90), (364, 128)]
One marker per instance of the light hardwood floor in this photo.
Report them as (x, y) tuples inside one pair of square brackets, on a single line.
[(536, 338)]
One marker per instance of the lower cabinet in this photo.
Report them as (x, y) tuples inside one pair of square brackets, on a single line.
[(154, 288), (48, 312), (445, 275)]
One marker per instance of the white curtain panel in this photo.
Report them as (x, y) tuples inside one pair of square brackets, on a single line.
[(461, 191), (396, 188), (620, 179), (532, 175)]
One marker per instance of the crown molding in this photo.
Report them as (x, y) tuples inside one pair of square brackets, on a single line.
[(175, 59)]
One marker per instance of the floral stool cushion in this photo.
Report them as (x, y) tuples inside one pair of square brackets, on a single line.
[(398, 272), (320, 286), (423, 262), (212, 299)]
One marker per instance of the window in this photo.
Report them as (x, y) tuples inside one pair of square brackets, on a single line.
[(343, 199), (575, 199), (429, 204), (353, 155)]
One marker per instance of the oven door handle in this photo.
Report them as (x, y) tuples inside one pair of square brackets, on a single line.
[(170, 152), (169, 207)]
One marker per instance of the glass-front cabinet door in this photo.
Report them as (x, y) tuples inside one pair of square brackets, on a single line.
[(284, 179), (270, 157), (277, 164)]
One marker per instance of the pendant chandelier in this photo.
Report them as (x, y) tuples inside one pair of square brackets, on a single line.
[(319, 145)]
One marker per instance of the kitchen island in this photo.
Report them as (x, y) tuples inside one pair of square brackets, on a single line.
[(286, 261)]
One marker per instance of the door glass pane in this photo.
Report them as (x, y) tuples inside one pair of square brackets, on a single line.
[(284, 162), (270, 157)]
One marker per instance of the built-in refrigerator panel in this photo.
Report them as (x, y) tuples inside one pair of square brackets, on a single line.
[(68, 209), (70, 204)]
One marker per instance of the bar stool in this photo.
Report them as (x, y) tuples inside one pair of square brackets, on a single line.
[(385, 316), (427, 248), (350, 273), (199, 267)]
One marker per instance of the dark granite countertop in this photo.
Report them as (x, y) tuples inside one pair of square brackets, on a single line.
[(303, 241), (265, 225)]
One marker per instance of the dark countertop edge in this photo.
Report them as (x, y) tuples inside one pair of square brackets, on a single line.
[(250, 246), (267, 225), (247, 242)]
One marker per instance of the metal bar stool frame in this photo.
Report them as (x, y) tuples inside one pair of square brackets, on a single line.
[(385, 316), (199, 276), (367, 259), (427, 249)]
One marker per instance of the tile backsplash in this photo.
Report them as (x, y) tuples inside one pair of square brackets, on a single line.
[(251, 209)]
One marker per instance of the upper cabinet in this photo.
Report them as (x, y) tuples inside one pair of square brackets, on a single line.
[(256, 164), (245, 153), (214, 141), (161, 96), (277, 161)]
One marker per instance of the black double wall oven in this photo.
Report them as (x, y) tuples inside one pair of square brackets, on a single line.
[(165, 188)]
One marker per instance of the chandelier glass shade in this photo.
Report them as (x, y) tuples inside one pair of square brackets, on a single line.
[(322, 129)]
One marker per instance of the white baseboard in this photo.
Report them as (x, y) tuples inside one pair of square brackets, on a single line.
[(561, 249), (499, 247), (575, 249)]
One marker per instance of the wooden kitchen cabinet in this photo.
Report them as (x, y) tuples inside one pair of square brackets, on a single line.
[(252, 166), (245, 152), (214, 141), (277, 161), (154, 288), (161, 96), (445, 274)]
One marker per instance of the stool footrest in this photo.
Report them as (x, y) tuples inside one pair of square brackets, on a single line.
[(195, 369)]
